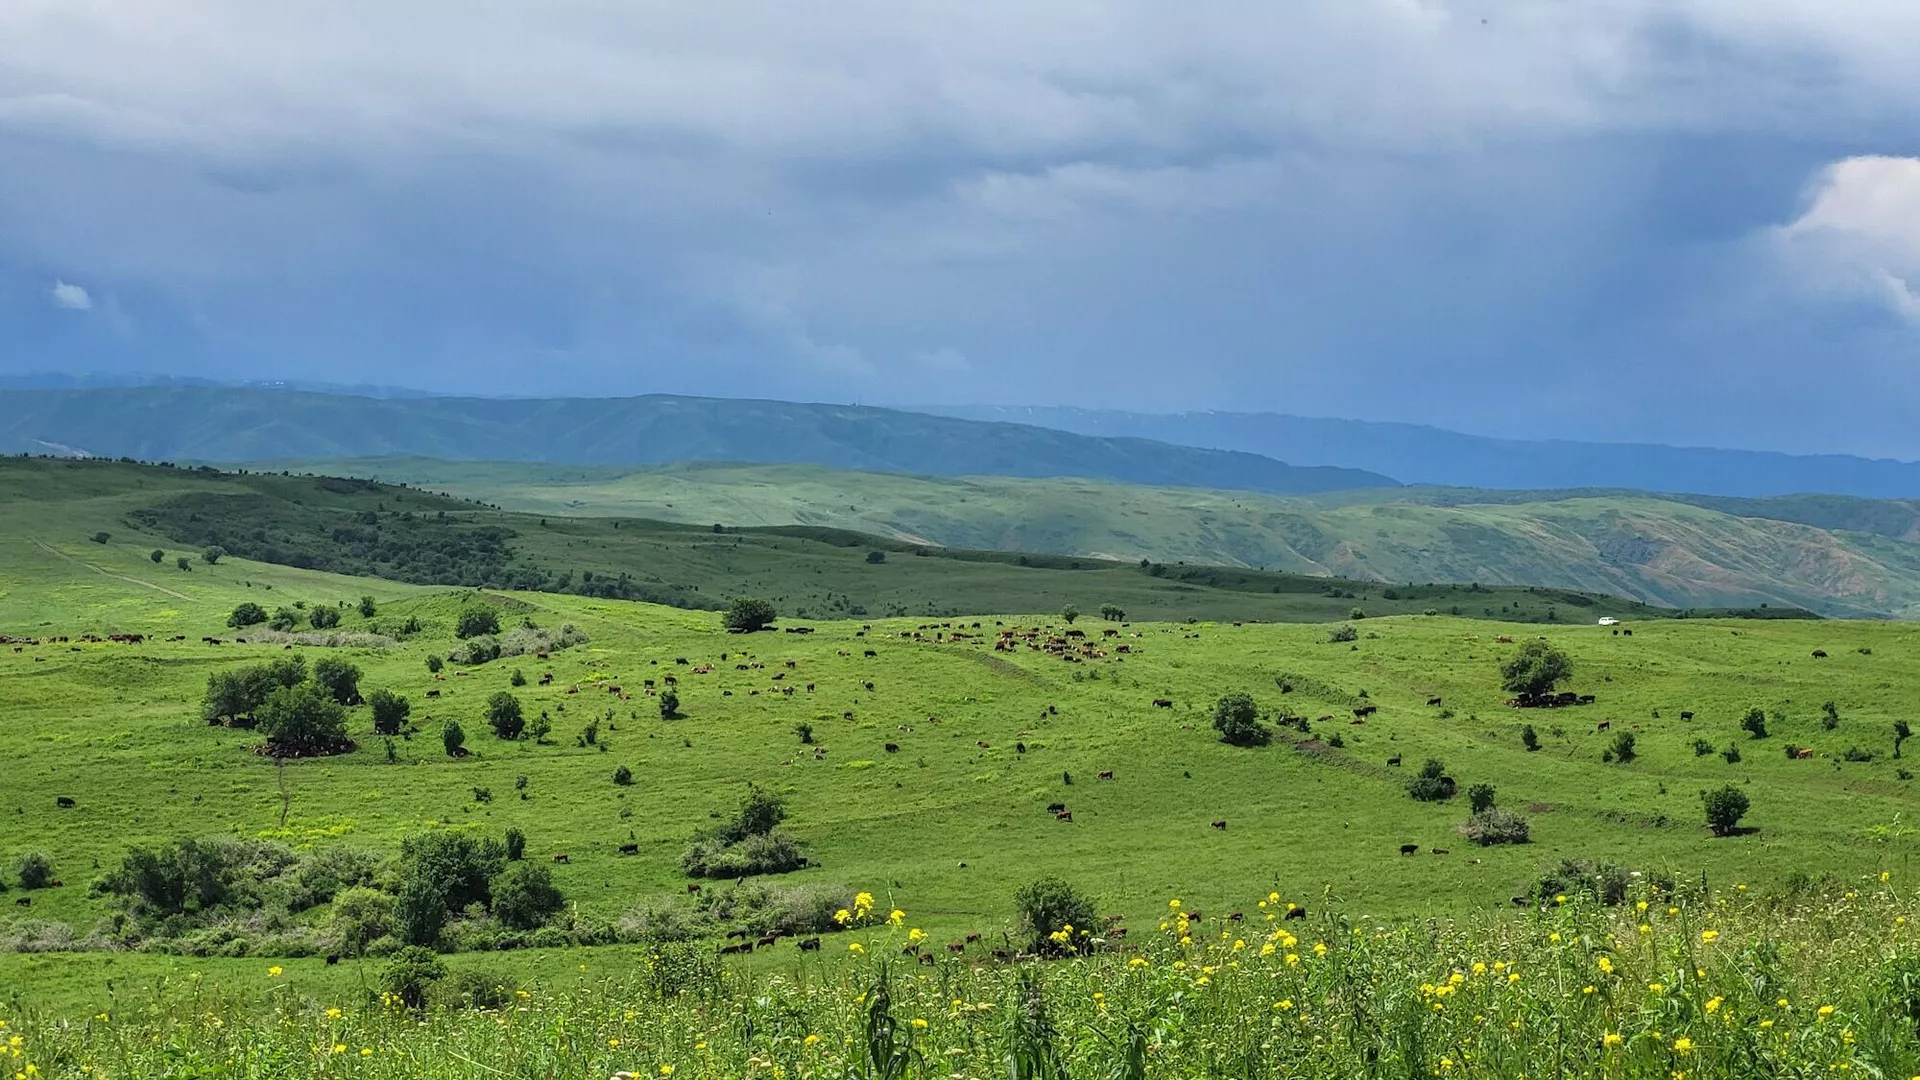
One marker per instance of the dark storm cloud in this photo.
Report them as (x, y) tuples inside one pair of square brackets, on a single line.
[(1686, 221)]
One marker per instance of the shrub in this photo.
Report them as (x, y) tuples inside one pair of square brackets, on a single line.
[(359, 917), (516, 842), (453, 738), (1535, 669), (874, 558), (1725, 808), (1830, 716), (303, 718), (157, 556), (477, 650), (1901, 733), (1480, 798), (517, 678), (1070, 613), (390, 711), (1238, 721), (1432, 785), (1854, 753), (1529, 738), (247, 614), (1623, 747), (1754, 723), (669, 705), (504, 715), (476, 621), (1701, 748), (1731, 754), (213, 555), (367, 607), (622, 775), (1113, 613), (434, 664), (471, 990), (1602, 882), (35, 871), (524, 896), (284, 618), (1357, 614), (1342, 634), (101, 537), (1495, 826), (1049, 906), (748, 614), (183, 562), (751, 843), (324, 618), (805, 731), (340, 679), (410, 974)]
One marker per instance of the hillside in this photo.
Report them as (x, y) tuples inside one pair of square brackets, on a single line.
[(1847, 557), (1418, 454), (223, 424)]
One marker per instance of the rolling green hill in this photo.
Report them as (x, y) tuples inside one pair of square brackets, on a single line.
[(1845, 557), (224, 424)]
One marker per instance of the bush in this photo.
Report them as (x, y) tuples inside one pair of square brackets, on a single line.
[(471, 990), (524, 896), (1480, 798), (1529, 738), (1701, 748), (359, 917), (1854, 753), (1340, 635), (751, 843), (748, 615), (1535, 670), (622, 775), (340, 679), (669, 705), (1494, 826), (453, 738), (1602, 882), (1830, 716), (247, 614), (324, 618), (183, 562), (303, 718), (1433, 784), (874, 558), (516, 843), (1731, 754), (518, 678), (1048, 907), (434, 664), (101, 537), (1070, 613), (1238, 721), (157, 556), (35, 871), (476, 621), (1623, 747), (1113, 613), (504, 716), (284, 618), (213, 555), (805, 731), (1754, 723), (1725, 808), (410, 974), (390, 711), (367, 607)]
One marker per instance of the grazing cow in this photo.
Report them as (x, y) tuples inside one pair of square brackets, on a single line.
[(1441, 851), (546, 679), (436, 693), (1107, 775), (1819, 654), (926, 958), (1504, 640), (982, 745), (1235, 916), (870, 654), (1294, 912), (693, 888), (1433, 701), (1628, 633), (1603, 725), (629, 849), (1409, 849), (973, 939), (332, 959), (1019, 748), (1003, 956), (559, 858), (1117, 933), (1519, 901), (1162, 703), (1366, 710), (1054, 808), (1688, 715), (1064, 815), (768, 939), (64, 802), (743, 947), (24, 901), (1220, 824), (1803, 753), (1394, 760), (956, 946), (893, 748), (811, 944), (867, 684)]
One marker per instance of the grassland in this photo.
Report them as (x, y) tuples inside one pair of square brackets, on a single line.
[(1841, 557)]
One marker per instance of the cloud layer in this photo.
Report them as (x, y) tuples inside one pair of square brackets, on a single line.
[(1510, 218)]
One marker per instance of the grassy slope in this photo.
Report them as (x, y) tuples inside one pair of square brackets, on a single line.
[(1841, 557)]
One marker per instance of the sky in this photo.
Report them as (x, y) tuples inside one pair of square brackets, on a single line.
[(1686, 221)]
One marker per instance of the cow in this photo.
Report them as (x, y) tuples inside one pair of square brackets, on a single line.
[(560, 858), (768, 939), (893, 748), (629, 849), (1409, 849), (956, 946), (433, 693), (24, 901), (1603, 725), (1441, 851), (1117, 933), (1819, 654), (1687, 715), (870, 654), (926, 958), (1107, 775), (1294, 912), (1366, 711), (1504, 640), (64, 802), (1803, 753), (1236, 916), (1220, 824), (332, 959), (1054, 808), (743, 947), (693, 888), (1627, 633), (1433, 701), (1162, 703), (982, 745), (1064, 815), (1394, 760), (973, 939), (811, 944)]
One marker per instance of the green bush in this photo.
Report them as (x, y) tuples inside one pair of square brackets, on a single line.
[(748, 614), (1529, 738), (324, 618), (751, 843), (1049, 906), (504, 715), (284, 619), (476, 621), (516, 842), (303, 718), (454, 738), (1602, 882), (1237, 720), (340, 679), (1535, 669), (410, 974), (622, 775), (213, 555), (669, 705), (1754, 723), (1725, 808), (35, 871), (1480, 797), (434, 664), (524, 896), (1432, 784), (359, 917), (367, 607), (465, 989), (247, 614), (1340, 635), (1495, 826), (390, 711), (157, 556), (1623, 747)]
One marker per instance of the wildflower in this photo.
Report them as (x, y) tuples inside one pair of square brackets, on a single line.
[(916, 935), (897, 917), (1479, 968), (1884, 875), (1611, 1040), (333, 1014), (1174, 903), (1283, 1005), (366, 1051), (1319, 948), (919, 1023), (1683, 1045), (1826, 1011), (1512, 977), (1709, 936), (666, 1070), (1587, 989), (1554, 937), (1274, 898), (1713, 1003), (1606, 965), (1657, 988), (275, 971), (843, 916), (339, 1048), (811, 1040), (1640, 907), (613, 1043), (1560, 899), (1137, 962), (855, 947), (1238, 945), (1267, 949)]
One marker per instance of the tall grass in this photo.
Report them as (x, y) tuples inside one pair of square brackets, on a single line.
[(1819, 983)]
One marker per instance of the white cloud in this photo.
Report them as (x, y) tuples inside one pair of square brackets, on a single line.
[(73, 297), (1860, 233)]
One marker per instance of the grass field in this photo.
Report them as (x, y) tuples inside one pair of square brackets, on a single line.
[(1842, 557)]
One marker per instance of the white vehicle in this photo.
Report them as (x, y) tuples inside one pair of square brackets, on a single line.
[(1608, 620)]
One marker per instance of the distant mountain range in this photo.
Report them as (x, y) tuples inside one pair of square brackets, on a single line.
[(1427, 455), (228, 424)]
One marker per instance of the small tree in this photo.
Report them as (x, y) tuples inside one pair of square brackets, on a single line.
[(101, 537), (415, 968), (669, 705), (359, 917), (805, 731), (1901, 733), (183, 563), (1433, 784), (476, 621), (340, 679), (367, 607), (1480, 797), (504, 716), (1357, 614), (1113, 613), (247, 614), (1529, 738), (1054, 917), (324, 618), (1535, 670), (875, 558), (540, 728), (213, 555), (1237, 720), (1754, 723), (1725, 808), (1340, 635), (434, 664), (1622, 748), (622, 775), (1069, 613), (284, 618), (524, 896), (517, 678), (303, 717), (453, 738), (1731, 755), (1830, 716), (748, 614), (35, 871), (390, 711), (516, 844), (157, 556)]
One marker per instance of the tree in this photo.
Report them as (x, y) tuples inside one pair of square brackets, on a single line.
[(339, 678), (390, 711), (524, 896), (360, 916), (669, 705), (101, 537), (749, 614), (1113, 613), (453, 738), (1754, 723), (517, 679), (1831, 717), (1901, 733), (1724, 808), (367, 607), (874, 558), (1535, 670), (247, 614), (1237, 720), (157, 556), (1529, 738), (504, 715), (229, 696), (622, 775), (475, 621), (1433, 784), (1340, 635), (1622, 749), (434, 664), (1480, 797), (540, 728), (303, 717), (284, 618), (1069, 613), (36, 871), (1054, 917), (213, 555), (324, 618), (182, 563)]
